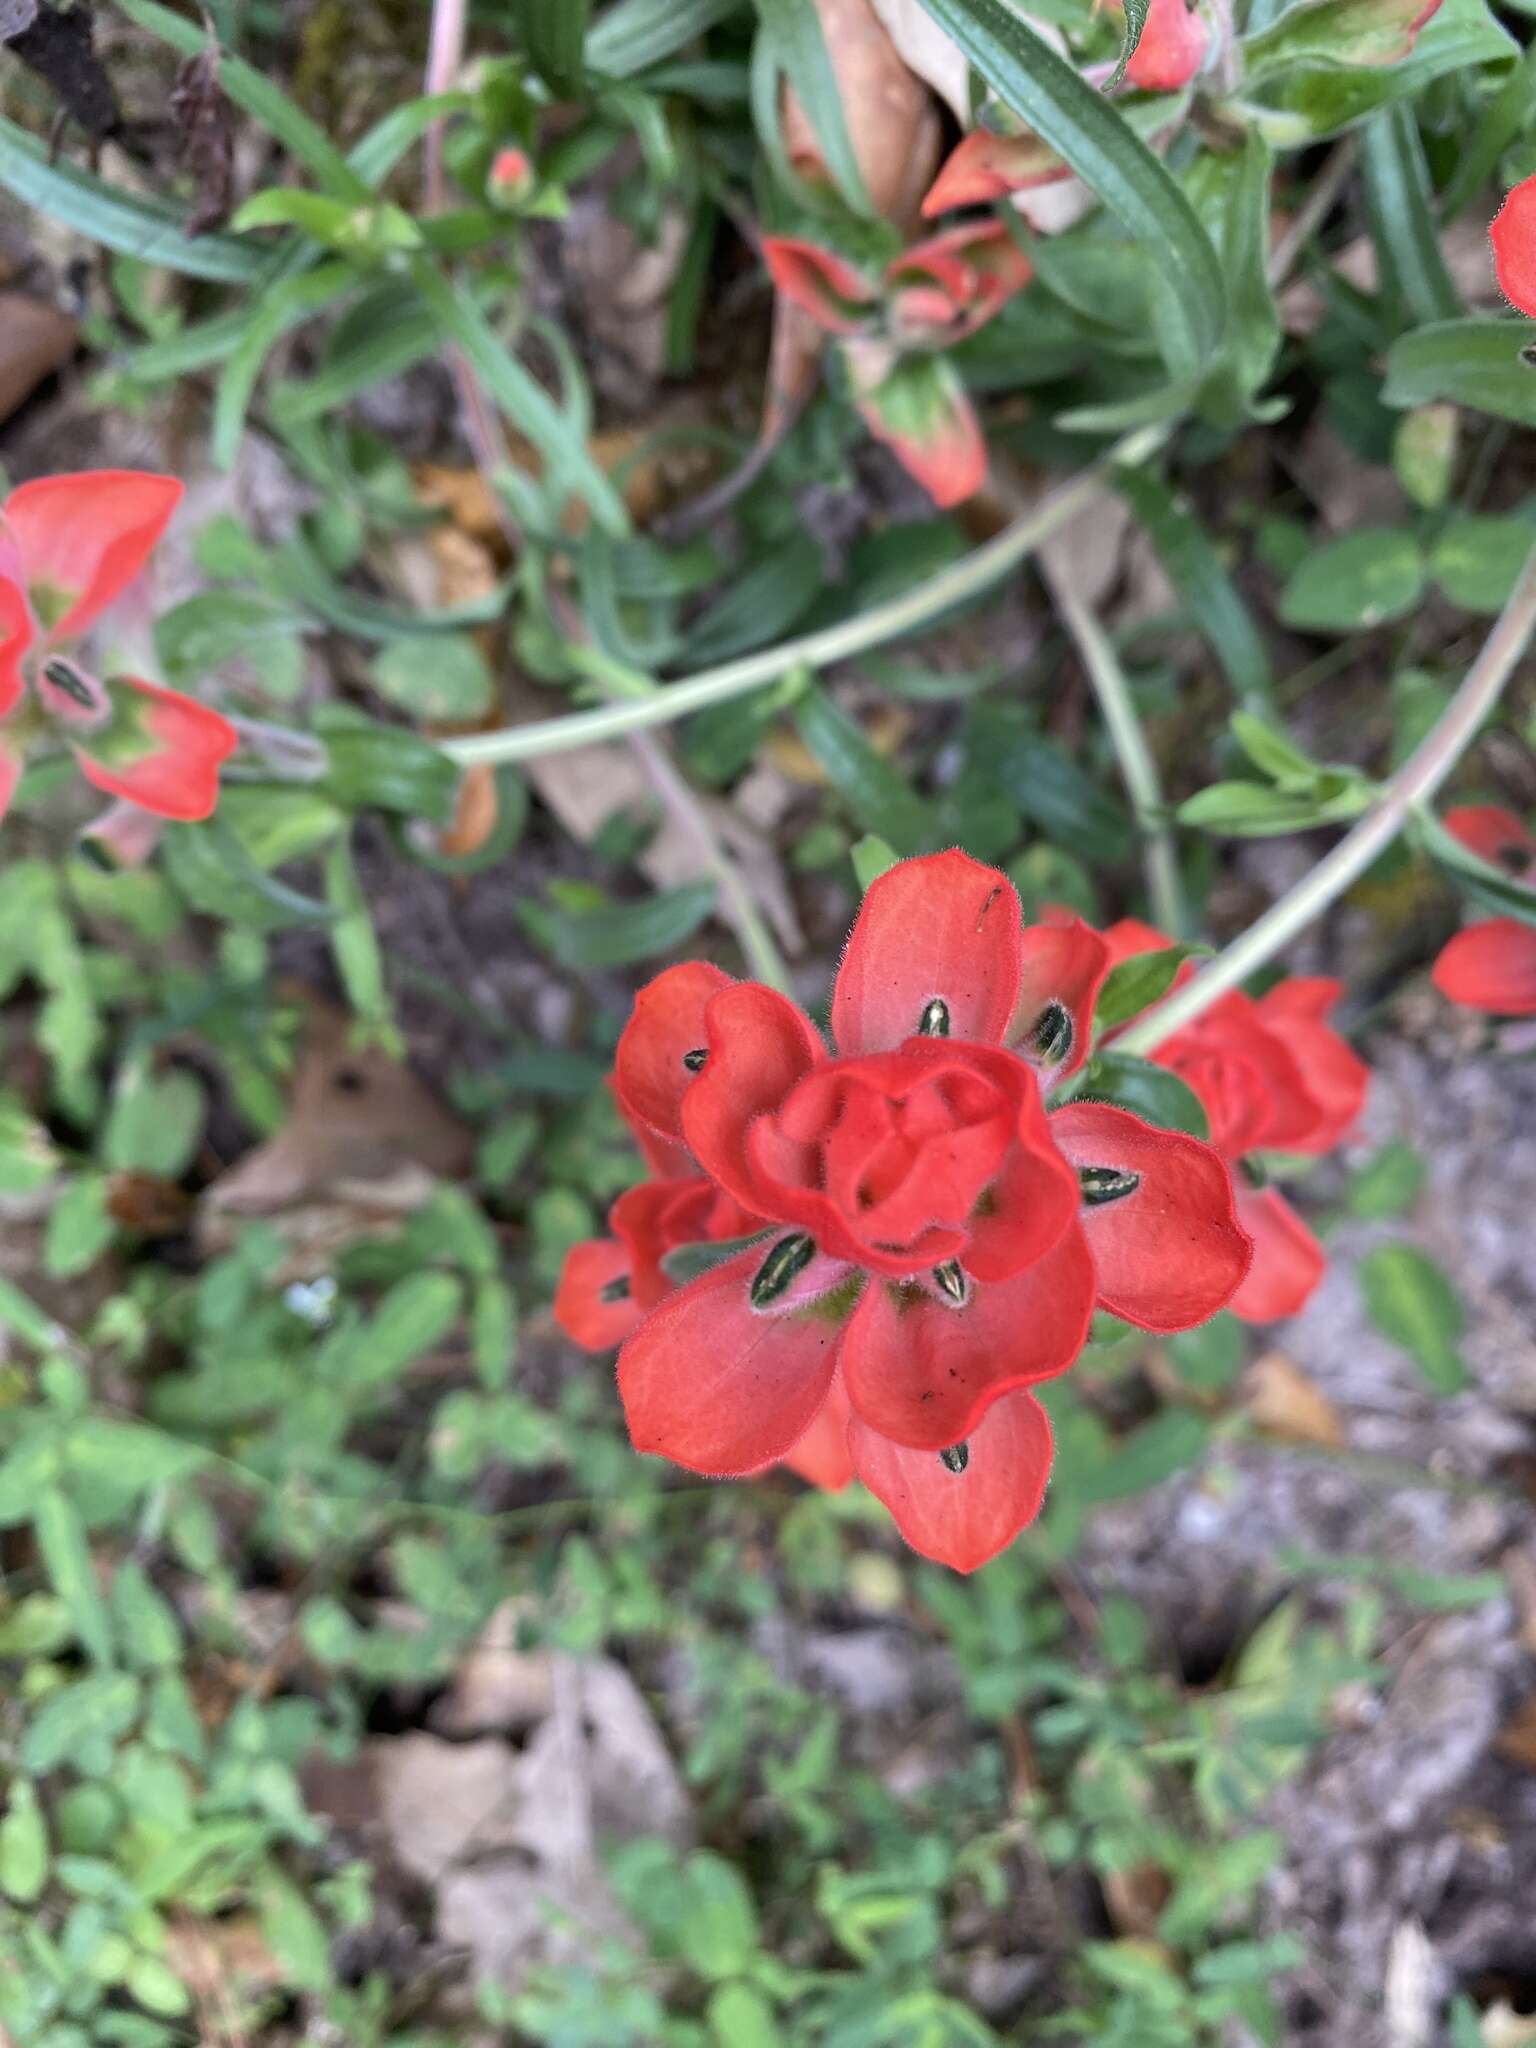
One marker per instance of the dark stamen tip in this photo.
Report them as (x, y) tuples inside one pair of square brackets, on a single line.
[(1102, 1184), (950, 1281), (66, 677), (1052, 1034), (694, 1061), (956, 1458), (617, 1290), (934, 1022), (789, 1257)]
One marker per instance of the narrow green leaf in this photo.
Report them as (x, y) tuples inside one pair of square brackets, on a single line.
[(1400, 204), (876, 793), (872, 857), (1206, 590), (23, 1845), (525, 401), (213, 873), (638, 33), (1136, 12), (1484, 364), (1048, 94), (272, 314), (153, 230), (557, 33), (67, 1558), (795, 36), (1411, 1301), (1140, 981), (1480, 145), (620, 933)]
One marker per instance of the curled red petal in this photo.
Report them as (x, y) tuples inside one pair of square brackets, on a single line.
[(984, 167), (1491, 967), (1335, 1076), (758, 1046), (1288, 1261), (1513, 235), (650, 1076), (83, 539), (963, 1518), (17, 627), (923, 1372), (835, 293), (1494, 835), (587, 1318), (941, 928), (1063, 962), (821, 1455), (1172, 1252), (177, 774), (719, 1386), (938, 440), (1031, 1204), (1172, 49)]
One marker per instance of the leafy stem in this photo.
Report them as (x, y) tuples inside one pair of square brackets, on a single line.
[(1412, 787), (908, 613)]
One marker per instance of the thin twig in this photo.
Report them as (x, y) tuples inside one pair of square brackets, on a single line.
[(1414, 784), (983, 567), (1313, 211), (1138, 769), (445, 54)]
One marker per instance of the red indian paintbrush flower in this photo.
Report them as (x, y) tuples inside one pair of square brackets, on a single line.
[(1513, 235), (939, 1239), (892, 325), (70, 545), (1491, 965), (1174, 40), (1272, 1076)]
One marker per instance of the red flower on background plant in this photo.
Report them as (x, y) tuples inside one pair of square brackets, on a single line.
[(1513, 235), (1491, 965), (892, 324), (1272, 1076), (70, 545), (1172, 49), (940, 1240)]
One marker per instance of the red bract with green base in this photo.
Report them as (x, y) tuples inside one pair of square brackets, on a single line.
[(938, 1238), (1491, 965), (69, 546)]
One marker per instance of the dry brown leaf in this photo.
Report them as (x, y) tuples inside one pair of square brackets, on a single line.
[(1136, 1897), (1281, 1399), (35, 340), (223, 1965), (497, 1686), (925, 49), (1516, 1740), (365, 1144), (892, 122), (1519, 1567), (464, 495)]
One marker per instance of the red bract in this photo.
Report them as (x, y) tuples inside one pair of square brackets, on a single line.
[(1272, 1076), (1491, 966), (939, 1239), (1172, 49), (70, 545), (892, 325), (1513, 235)]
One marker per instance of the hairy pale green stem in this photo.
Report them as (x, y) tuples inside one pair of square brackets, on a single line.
[(1414, 784), (985, 566)]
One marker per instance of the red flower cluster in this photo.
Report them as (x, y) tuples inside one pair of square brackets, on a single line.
[(69, 545), (1492, 964), (1272, 1076), (935, 293), (1513, 235), (937, 1241)]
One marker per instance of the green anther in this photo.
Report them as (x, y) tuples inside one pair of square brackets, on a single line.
[(694, 1061), (1255, 1172), (950, 1282), (1102, 1184), (956, 1458), (934, 1022), (617, 1290), (1052, 1034), (789, 1257)]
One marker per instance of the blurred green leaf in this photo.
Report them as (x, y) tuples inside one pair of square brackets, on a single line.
[(1410, 1300), (878, 796), (1477, 363), (1138, 982), (1151, 1092), (1363, 579), (618, 933), (1400, 206), (1388, 1184)]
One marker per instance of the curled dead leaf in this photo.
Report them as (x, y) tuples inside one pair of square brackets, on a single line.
[(1281, 1399), (892, 122)]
